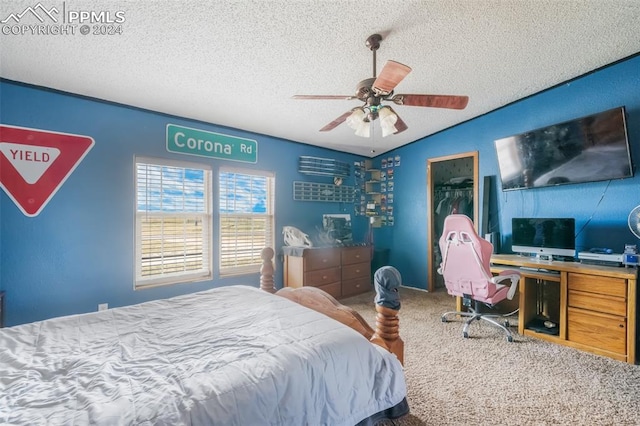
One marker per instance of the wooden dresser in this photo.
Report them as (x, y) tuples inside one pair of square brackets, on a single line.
[(340, 271)]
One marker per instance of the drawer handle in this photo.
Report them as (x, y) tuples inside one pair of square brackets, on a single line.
[(357, 270), (324, 277), (324, 260), (357, 256)]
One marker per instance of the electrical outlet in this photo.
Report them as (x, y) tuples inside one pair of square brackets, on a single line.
[(103, 306)]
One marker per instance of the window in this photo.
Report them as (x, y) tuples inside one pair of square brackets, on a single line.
[(173, 222), (246, 219)]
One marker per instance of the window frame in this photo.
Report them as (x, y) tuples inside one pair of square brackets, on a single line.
[(227, 271), (206, 272)]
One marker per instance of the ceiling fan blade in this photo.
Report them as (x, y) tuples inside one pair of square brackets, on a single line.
[(391, 75), (400, 125), (433, 101), (343, 97), (335, 123)]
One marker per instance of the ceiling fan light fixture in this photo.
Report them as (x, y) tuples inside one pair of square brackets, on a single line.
[(387, 129), (364, 129), (356, 118), (387, 115), (388, 119)]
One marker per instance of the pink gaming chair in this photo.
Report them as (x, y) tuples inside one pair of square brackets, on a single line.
[(466, 270)]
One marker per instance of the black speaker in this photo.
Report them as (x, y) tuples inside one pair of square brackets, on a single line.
[(493, 238), (486, 201)]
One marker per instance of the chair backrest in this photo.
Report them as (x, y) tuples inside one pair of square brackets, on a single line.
[(465, 259)]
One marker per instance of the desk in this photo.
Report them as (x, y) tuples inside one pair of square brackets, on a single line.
[(594, 306)]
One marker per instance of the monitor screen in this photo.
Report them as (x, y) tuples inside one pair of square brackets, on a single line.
[(587, 149), (544, 236)]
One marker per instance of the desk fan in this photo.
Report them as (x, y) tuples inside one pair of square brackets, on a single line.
[(630, 255), (634, 221)]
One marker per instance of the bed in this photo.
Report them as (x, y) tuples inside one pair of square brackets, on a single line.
[(235, 355)]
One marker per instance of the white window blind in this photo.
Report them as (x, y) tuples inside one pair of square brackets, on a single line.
[(173, 222), (246, 200)]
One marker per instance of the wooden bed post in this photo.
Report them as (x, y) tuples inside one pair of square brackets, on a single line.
[(386, 333), (387, 329), (266, 270)]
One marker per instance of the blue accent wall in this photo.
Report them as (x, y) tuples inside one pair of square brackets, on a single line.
[(601, 209), (78, 252)]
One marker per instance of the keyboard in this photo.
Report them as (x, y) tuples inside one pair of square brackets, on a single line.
[(546, 271)]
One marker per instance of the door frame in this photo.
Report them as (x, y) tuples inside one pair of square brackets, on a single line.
[(430, 197)]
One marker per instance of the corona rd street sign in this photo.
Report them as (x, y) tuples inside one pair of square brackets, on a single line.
[(35, 163), (185, 140)]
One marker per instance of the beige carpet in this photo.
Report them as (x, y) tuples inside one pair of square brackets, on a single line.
[(485, 380)]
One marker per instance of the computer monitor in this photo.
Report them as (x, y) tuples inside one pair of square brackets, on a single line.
[(544, 236)]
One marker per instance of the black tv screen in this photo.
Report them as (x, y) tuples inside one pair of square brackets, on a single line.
[(587, 149)]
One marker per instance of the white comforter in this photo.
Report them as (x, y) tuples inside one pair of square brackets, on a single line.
[(227, 356)]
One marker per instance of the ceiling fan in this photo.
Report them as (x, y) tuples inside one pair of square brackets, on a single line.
[(372, 91)]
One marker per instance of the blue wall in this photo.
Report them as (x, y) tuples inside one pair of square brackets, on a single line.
[(606, 221), (79, 250)]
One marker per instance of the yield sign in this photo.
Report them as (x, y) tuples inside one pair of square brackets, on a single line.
[(35, 163)]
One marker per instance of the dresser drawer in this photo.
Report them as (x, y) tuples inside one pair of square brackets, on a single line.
[(356, 270), (333, 289), (596, 284), (322, 277), (321, 259), (598, 302), (357, 286), (356, 255), (600, 331)]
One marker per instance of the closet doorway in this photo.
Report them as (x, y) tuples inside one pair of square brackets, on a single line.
[(452, 187)]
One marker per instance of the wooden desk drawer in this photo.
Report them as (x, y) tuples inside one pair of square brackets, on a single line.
[(598, 302), (321, 259), (356, 255), (357, 286), (597, 330), (322, 277), (597, 284), (356, 270)]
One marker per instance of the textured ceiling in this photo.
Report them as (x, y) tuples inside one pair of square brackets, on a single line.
[(237, 63)]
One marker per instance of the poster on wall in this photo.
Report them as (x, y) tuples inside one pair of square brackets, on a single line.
[(34, 164)]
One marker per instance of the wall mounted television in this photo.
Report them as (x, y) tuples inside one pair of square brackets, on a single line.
[(544, 236), (587, 149)]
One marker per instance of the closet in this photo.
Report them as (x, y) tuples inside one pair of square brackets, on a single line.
[(452, 187)]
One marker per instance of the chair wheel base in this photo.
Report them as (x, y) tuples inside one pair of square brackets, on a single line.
[(465, 335)]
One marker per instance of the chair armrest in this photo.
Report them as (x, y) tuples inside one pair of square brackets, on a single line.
[(511, 275)]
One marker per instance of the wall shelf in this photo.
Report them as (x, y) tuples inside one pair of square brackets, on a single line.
[(323, 167), (312, 191)]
